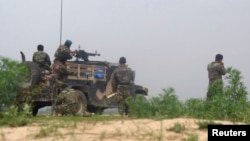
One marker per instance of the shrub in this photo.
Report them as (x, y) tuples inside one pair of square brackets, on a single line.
[(195, 108), (166, 105), (14, 117), (139, 106), (12, 73)]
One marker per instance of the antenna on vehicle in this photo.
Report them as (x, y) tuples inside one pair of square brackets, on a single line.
[(61, 24)]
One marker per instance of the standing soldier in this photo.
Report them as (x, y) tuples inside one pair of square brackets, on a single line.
[(122, 80), (64, 50), (42, 59), (215, 71)]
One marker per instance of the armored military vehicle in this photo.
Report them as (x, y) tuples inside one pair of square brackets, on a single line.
[(90, 78)]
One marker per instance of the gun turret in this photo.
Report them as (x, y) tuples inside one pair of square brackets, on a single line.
[(81, 54)]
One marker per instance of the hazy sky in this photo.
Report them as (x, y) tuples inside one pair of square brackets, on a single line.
[(167, 42)]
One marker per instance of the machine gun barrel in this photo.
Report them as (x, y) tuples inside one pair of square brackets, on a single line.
[(93, 54)]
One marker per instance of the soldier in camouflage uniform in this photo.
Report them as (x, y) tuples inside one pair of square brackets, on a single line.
[(215, 71), (67, 102), (122, 80), (64, 50), (42, 59)]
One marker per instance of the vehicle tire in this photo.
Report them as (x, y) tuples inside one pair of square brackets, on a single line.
[(83, 102), (34, 74)]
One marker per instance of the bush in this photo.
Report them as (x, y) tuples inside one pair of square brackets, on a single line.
[(14, 117), (139, 106), (195, 108), (12, 74), (166, 105)]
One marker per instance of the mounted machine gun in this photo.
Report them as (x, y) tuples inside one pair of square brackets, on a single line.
[(81, 54)]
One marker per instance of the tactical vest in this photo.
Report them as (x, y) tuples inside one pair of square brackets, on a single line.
[(124, 76)]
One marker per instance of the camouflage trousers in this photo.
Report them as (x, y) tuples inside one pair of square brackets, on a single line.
[(67, 102), (123, 92), (66, 109)]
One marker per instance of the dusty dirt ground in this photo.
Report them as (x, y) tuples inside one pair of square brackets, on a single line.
[(122, 130)]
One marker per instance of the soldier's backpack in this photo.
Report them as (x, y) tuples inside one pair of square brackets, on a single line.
[(125, 76)]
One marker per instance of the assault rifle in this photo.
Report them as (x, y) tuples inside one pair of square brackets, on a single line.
[(81, 54)]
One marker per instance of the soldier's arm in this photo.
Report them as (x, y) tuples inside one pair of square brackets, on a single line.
[(132, 75), (221, 69), (69, 54), (47, 59), (73, 53), (33, 58), (63, 70), (56, 53), (113, 82)]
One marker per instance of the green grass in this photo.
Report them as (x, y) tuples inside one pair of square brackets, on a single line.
[(178, 128)]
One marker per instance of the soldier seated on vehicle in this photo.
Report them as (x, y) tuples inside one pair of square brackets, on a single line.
[(42, 59), (65, 51)]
